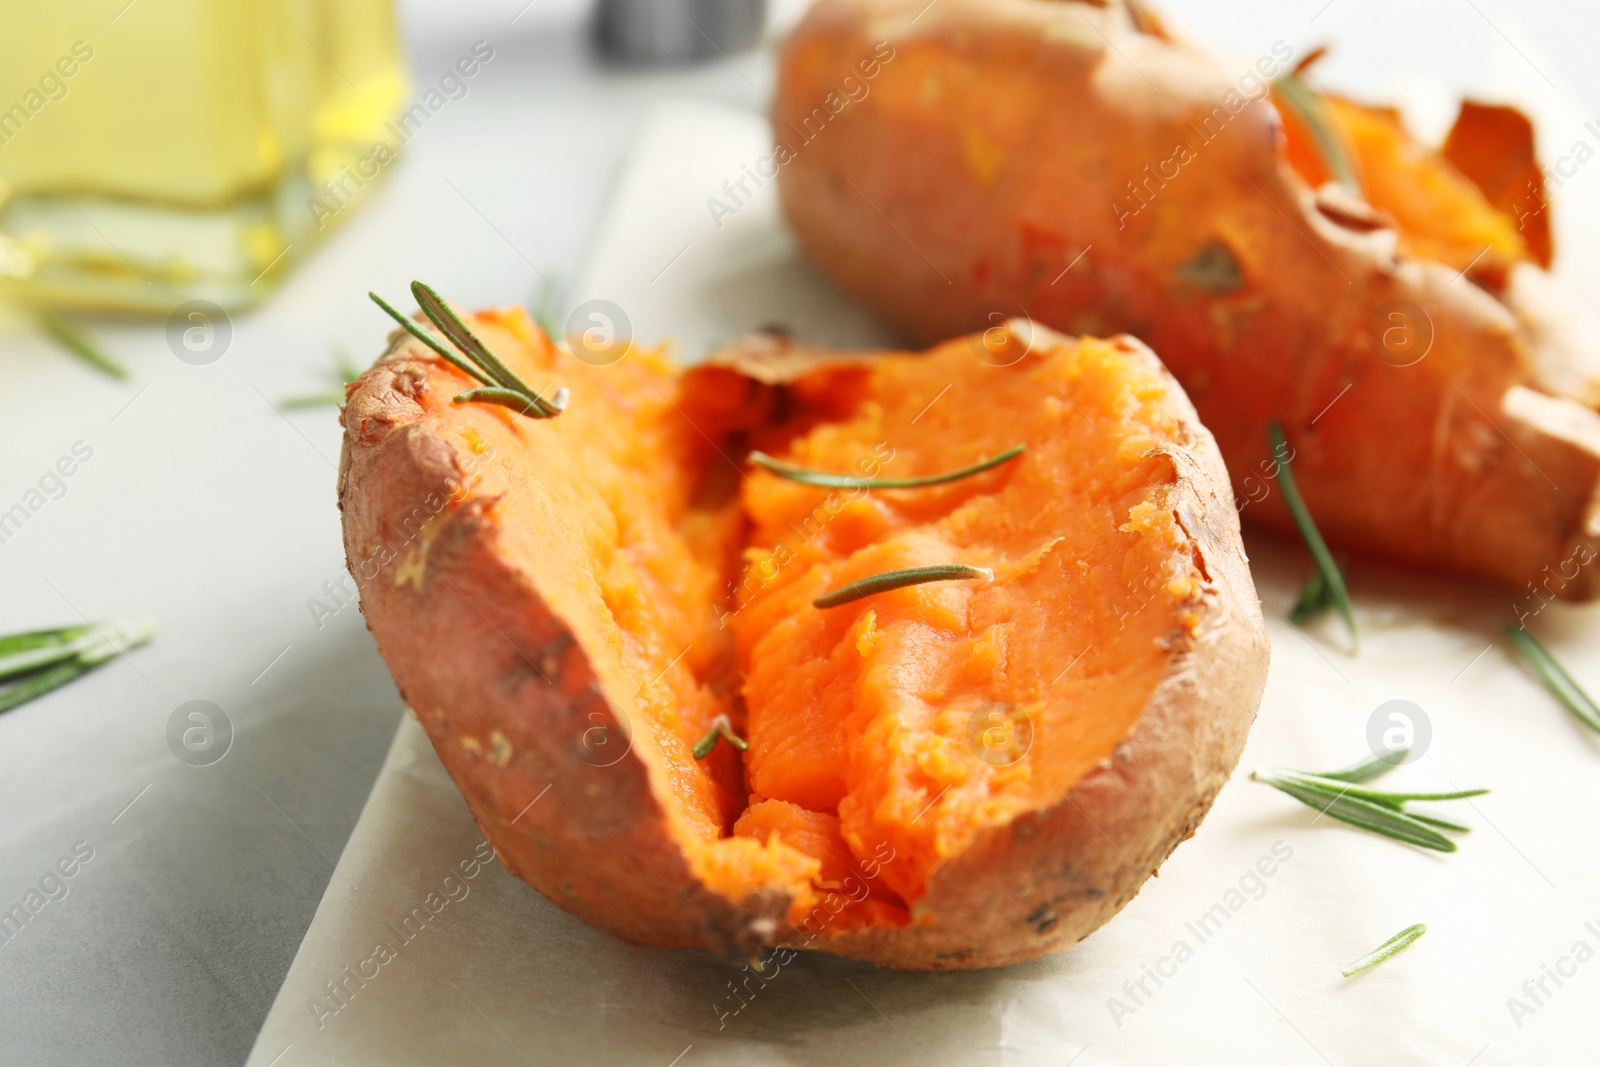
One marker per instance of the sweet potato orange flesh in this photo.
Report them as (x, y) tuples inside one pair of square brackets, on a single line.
[(871, 710), (1441, 213)]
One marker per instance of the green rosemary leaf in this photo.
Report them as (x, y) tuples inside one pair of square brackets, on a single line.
[(1314, 600), (1378, 818), (545, 311), (332, 398), (117, 638), (23, 653), (1395, 944), (1367, 770), (1337, 787), (1438, 820), (1341, 795), (11, 644), (845, 481), (411, 327), (460, 334), (1555, 677), (501, 386), (518, 402), (882, 583), (349, 371), (1308, 530), (721, 729), (80, 344), (90, 647), (1306, 104), (37, 685)]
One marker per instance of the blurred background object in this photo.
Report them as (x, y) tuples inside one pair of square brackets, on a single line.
[(156, 151), (673, 31)]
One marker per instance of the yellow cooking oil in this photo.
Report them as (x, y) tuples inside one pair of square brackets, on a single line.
[(158, 151)]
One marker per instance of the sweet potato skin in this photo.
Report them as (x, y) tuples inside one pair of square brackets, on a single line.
[(478, 654), (1007, 137)]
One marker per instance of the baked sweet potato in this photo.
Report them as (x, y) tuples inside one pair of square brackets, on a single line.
[(945, 775), (1399, 323)]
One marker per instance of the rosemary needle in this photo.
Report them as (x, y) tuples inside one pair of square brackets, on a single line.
[(1328, 570), (1395, 944), (1555, 677), (499, 384), (74, 340), (1313, 601), (1364, 814), (24, 652), (1347, 788), (411, 327), (1311, 110), (545, 311), (721, 729), (829, 480), (882, 583), (347, 371), (521, 403), (34, 663), (461, 335), (1440, 821), (1367, 770)]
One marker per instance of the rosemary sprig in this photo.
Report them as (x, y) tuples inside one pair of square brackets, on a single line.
[(347, 371), (24, 652), (1395, 944), (411, 327), (1342, 795), (1555, 677), (1440, 821), (721, 729), (80, 344), (882, 583), (461, 335), (34, 663), (1333, 587), (1313, 600), (523, 401), (1367, 770), (545, 311), (500, 385), (1345, 788), (828, 480), (1310, 109), (1365, 814)]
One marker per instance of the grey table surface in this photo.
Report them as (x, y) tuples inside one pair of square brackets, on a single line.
[(205, 505)]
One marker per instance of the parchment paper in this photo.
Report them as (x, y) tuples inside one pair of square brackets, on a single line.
[(1233, 954)]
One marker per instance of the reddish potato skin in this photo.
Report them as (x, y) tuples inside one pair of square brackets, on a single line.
[(476, 651), (1060, 105)]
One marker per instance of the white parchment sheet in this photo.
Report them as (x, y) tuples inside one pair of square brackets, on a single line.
[(1232, 955)]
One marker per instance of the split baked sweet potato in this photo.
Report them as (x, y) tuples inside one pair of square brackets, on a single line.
[(586, 611), (1300, 258)]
